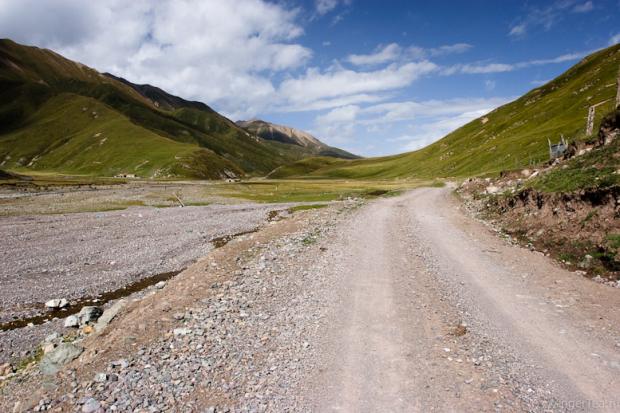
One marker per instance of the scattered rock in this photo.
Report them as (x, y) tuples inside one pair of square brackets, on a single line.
[(6, 369), (72, 321), (160, 285), (586, 262), (56, 303), (48, 347), (109, 314), (101, 377), (61, 355), (52, 337), (89, 314), (91, 406), (183, 331)]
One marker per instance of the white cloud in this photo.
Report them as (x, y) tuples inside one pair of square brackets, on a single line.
[(486, 68), (325, 6), (518, 30), (338, 83), (547, 16), (489, 84), (382, 54), (393, 52), (338, 125), (411, 110), (429, 120), (329, 103), (583, 7), (427, 133), (222, 53), (341, 114), (450, 49), (615, 39)]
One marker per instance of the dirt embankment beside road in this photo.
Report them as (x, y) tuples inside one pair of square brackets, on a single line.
[(580, 229)]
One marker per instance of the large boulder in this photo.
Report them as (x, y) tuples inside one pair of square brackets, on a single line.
[(61, 355), (109, 314)]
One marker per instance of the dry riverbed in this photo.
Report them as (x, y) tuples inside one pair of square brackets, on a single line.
[(102, 256)]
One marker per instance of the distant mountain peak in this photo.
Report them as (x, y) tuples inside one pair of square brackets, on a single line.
[(286, 134)]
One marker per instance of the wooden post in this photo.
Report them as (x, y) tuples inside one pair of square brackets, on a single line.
[(590, 124)]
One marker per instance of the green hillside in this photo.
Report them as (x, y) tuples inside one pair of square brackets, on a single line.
[(73, 134), (125, 128), (512, 136)]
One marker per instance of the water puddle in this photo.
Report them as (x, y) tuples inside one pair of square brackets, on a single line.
[(99, 301)]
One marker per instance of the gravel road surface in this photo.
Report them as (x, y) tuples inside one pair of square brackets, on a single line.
[(537, 338)]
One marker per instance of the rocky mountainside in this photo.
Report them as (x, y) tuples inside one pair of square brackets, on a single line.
[(288, 135), (60, 116)]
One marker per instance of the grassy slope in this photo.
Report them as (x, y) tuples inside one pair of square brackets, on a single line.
[(304, 167), (599, 168), (510, 137), (64, 136)]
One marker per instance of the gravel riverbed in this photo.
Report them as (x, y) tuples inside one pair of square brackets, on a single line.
[(81, 255)]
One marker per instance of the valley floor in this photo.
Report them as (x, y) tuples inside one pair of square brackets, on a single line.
[(399, 304)]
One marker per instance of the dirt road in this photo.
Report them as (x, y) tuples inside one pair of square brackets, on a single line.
[(415, 267), (400, 304)]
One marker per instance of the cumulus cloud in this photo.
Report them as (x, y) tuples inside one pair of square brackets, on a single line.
[(223, 53), (615, 39)]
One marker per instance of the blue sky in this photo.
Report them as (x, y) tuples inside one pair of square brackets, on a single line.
[(371, 77)]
